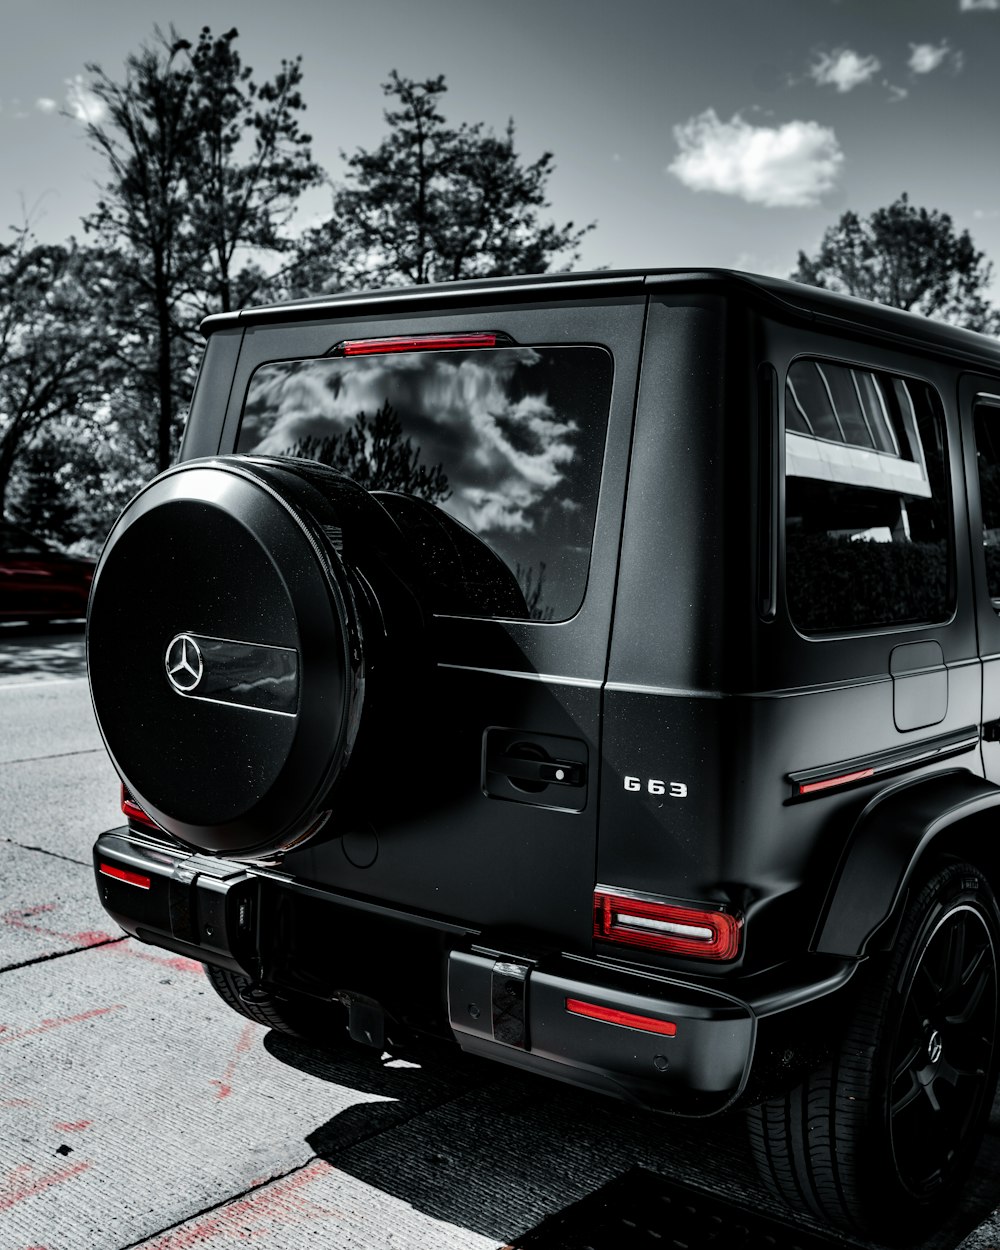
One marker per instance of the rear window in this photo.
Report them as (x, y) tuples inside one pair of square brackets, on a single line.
[(508, 441), (867, 538)]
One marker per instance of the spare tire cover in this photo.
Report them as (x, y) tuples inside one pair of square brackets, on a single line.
[(225, 658)]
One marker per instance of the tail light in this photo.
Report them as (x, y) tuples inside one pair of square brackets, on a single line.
[(134, 812), (693, 931)]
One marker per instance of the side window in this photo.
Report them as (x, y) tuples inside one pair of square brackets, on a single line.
[(987, 422), (867, 531)]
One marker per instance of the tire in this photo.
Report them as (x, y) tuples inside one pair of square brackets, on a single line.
[(323, 1024), (879, 1140)]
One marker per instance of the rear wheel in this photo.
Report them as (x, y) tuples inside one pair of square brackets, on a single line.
[(879, 1140)]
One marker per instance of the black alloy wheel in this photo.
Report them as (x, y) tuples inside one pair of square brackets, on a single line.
[(943, 1051), (880, 1138)]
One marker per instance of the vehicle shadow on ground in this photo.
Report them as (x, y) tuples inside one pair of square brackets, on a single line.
[(32, 651), (496, 1151)]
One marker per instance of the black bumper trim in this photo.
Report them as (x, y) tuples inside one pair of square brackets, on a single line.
[(506, 1004)]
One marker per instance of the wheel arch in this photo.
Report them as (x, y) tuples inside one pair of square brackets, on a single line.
[(951, 813)]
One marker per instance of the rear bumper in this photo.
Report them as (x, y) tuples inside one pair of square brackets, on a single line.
[(689, 1052)]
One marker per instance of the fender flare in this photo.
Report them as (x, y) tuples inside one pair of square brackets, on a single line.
[(888, 838)]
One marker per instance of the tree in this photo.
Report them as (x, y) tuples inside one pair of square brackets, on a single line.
[(251, 164), (53, 341), (374, 452), (434, 203), (202, 165), (908, 257)]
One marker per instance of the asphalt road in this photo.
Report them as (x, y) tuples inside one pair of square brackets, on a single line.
[(136, 1110)]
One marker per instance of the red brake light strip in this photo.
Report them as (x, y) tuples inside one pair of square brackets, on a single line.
[(611, 1015), (122, 874), (414, 343)]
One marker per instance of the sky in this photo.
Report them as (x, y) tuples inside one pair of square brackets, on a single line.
[(702, 132)]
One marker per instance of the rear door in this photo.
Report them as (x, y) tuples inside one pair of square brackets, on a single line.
[(525, 442)]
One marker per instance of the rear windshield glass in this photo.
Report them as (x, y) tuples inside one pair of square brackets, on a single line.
[(507, 441), (868, 539)]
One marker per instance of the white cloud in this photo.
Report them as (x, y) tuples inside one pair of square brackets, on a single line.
[(970, 6), (926, 57), (788, 166), (45, 105), (895, 93), (986, 214), (844, 69), (506, 457), (82, 103)]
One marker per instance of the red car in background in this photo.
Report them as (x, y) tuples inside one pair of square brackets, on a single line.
[(37, 583)]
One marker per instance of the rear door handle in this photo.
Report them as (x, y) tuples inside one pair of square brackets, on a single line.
[(551, 772)]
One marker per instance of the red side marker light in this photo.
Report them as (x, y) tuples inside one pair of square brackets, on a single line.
[(415, 343), (610, 1015), (667, 927), (122, 874), (809, 786)]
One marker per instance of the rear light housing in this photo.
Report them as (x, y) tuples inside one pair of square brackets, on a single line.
[(419, 343), (648, 924), (135, 813)]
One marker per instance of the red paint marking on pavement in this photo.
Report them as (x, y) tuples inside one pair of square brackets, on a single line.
[(279, 1202), (72, 1128), (55, 1024), (18, 915), (16, 1186), (243, 1044), (19, 919), (177, 963), (89, 937), (15, 1102)]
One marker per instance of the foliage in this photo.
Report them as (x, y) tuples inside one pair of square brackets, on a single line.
[(434, 203), (54, 342), (250, 164), (201, 163), (908, 257), (202, 168), (374, 452), (836, 583)]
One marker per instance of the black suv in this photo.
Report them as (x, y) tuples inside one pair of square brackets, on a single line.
[(600, 674)]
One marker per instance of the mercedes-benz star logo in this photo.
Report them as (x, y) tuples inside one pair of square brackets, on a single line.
[(184, 663)]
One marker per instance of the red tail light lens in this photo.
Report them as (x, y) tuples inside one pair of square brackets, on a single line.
[(122, 874), (627, 1019), (649, 925), (134, 812), (416, 343)]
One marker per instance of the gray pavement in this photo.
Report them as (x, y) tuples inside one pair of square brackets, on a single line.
[(136, 1110)]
